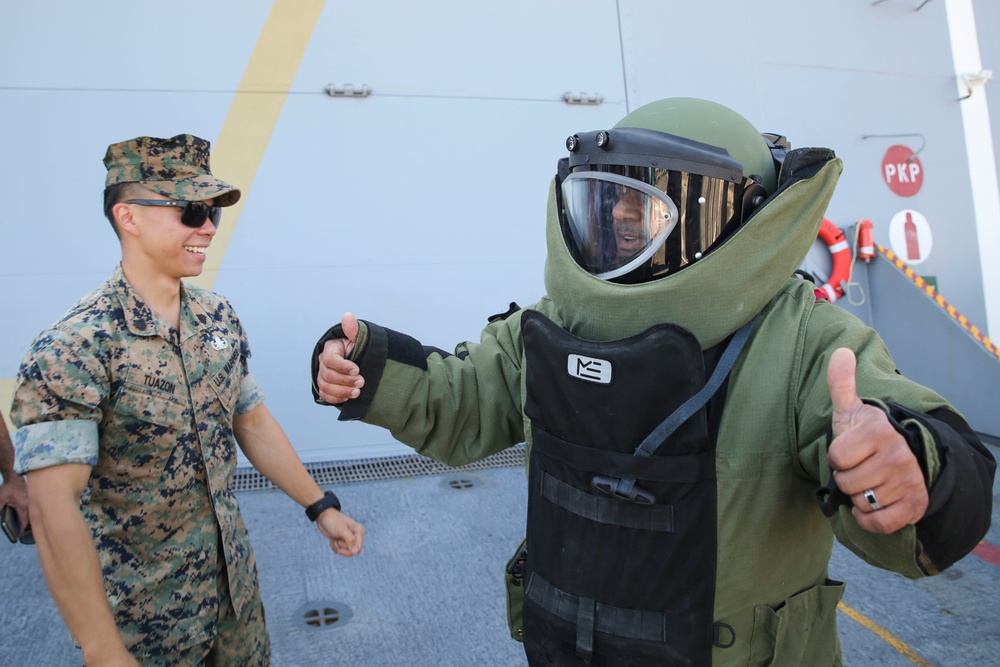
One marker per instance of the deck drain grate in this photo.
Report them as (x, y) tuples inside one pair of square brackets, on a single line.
[(366, 470), (323, 615), (460, 482)]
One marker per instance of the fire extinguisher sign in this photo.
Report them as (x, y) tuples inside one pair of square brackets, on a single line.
[(910, 236), (902, 171)]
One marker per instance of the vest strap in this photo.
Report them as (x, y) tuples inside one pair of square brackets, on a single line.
[(693, 404), (660, 434), (681, 469), (628, 623), (585, 615), (607, 510)]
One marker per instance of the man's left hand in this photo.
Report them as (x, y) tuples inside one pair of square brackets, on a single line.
[(345, 534)]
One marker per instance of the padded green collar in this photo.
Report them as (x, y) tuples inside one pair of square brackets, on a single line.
[(715, 296)]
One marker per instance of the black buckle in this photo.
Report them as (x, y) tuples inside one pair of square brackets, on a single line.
[(623, 490), (830, 498)]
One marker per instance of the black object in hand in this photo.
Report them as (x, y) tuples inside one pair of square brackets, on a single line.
[(12, 527)]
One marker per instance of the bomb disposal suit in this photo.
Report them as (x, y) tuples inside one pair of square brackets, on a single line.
[(671, 392)]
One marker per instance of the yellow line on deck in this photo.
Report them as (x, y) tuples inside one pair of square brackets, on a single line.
[(885, 635)]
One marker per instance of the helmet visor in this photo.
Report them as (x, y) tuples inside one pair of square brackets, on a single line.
[(612, 223)]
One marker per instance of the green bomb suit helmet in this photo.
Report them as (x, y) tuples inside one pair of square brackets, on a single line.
[(658, 191), (723, 215)]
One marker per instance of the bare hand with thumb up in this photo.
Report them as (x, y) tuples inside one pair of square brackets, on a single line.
[(870, 460), (338, 379)]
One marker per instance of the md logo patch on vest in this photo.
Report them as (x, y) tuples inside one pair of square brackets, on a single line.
[(590, 369)]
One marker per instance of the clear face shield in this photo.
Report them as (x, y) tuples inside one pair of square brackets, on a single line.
[(634, 224), (614, 224)]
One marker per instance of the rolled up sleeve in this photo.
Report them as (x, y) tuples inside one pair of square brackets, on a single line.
[(54, 443)]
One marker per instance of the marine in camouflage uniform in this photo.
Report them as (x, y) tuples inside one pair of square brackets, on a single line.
[(148, 407), (683, 397)]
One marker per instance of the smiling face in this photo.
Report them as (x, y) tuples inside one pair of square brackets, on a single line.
[(630, 237), (630, 220), (154, 238)]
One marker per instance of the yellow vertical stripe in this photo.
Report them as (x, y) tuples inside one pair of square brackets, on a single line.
[(886, 636), (239, 150)]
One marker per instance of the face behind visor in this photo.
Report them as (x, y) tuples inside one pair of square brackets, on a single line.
[(638, 204)]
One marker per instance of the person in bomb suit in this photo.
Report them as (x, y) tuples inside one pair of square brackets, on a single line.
[(699, 425)]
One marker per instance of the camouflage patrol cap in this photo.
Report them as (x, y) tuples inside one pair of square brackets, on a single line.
[(176, 167)]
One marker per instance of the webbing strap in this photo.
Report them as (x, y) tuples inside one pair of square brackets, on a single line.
[(618, 621), (586, 613), (658, 518), (693, 404), (660, 434)]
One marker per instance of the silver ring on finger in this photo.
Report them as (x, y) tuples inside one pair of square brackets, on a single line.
[(872, 500)]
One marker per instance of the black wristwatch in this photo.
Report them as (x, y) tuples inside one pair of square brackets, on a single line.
[(328, 500)]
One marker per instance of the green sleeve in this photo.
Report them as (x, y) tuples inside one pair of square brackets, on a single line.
[(825, 329), (453, 407)]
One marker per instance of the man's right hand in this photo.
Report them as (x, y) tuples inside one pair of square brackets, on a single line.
[(338, 379), (14, 492)]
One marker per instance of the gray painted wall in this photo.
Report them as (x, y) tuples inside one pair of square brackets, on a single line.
[(422, 206)]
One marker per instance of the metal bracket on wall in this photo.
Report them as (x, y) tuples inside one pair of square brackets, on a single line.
[(975, 80), (582, 98), (347, 90), (923, 142), (921, 6)]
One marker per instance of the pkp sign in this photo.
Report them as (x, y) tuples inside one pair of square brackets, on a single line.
[(902, 171)]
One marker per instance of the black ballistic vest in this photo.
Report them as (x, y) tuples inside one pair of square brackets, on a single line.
[(621, 548)]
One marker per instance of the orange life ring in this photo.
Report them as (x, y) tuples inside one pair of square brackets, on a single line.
[(840, 251)]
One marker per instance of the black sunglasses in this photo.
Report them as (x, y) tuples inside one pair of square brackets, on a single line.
[(193, 213)]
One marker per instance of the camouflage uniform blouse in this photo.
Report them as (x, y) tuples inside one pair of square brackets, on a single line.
[(109, 386)]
